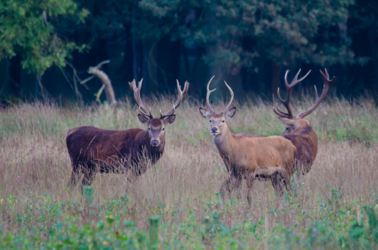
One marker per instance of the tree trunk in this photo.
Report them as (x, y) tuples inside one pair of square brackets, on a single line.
[(110, 97)]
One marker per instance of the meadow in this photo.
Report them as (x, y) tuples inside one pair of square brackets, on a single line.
[(332, 207)]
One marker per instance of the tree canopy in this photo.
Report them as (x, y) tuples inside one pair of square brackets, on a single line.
[(31, 29), (249, 42)]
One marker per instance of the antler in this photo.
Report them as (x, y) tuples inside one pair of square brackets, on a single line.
[(210, 91), (180, 96), (137, 98), (208, 96), (232, 98), (289, 88), (326, 83)]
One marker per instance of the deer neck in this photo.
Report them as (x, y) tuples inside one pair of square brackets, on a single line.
[(224, 142)]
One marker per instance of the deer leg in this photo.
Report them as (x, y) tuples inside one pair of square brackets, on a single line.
[(74, 176), (277, 183), (73, 180), (249, 179), (286, 180), (237, 181), (281, 180), (89, 175), (226, 187)]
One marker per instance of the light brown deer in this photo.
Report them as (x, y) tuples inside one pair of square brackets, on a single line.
[(95, 150), (298, 130), (249, 156)]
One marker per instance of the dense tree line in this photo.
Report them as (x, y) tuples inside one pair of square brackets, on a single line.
[(47, 46)]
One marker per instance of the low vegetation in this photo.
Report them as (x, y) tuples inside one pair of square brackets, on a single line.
[(332, 207)]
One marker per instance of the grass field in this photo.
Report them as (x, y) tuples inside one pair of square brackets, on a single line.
[(333, 207)]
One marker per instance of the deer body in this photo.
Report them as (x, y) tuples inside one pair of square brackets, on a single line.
[(244, 154), (105, 148), (94, 150), (249, 156)]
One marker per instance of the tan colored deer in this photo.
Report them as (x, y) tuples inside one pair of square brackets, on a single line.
[(93, 150), (249, 156), (298, 130)]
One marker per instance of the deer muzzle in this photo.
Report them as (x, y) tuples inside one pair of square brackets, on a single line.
[(155, 143)]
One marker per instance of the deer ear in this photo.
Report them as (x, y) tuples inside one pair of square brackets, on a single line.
[(170, 119), (205, 113), (142, 118), (287, 122), (231, 112)]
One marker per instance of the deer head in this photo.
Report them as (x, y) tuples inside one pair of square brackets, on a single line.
[(156, 126), (295, 124), (217, 120)]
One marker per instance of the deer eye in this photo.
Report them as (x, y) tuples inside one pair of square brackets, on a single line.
[(149, 128), (222, 120), (163, 128)]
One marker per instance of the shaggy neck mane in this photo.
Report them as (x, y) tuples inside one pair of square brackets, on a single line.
[(154, 152), (304, 131)]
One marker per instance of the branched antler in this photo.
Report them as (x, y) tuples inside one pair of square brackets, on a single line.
[(137, 98), (210, 91), (180, 96), (289, 89), (326, 83)]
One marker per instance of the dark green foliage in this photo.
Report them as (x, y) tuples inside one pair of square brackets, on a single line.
[(251, 42), (284, 32), (58, 225), (27, 29)]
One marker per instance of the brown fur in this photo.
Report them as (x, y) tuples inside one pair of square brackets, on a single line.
[(298, 130), (94, 150), (251, 156), (304, 138)]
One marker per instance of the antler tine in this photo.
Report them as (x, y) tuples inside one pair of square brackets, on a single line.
[(280, 113), (289, 89), (316, 93), (208, 95), (180, 96), (232, 97), (286, 103), (326, 83), (304, 76), (132, 85), (137, 98)]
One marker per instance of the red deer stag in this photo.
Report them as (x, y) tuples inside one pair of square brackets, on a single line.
[(298, 130), (94, 150), (249, 156)]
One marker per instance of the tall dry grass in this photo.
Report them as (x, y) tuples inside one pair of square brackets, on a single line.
[(34, 159)]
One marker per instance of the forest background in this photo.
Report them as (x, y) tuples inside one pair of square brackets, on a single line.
[(47, 46)]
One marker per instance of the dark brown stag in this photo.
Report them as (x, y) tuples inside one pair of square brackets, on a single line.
[(94, 150), (298, 130)]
